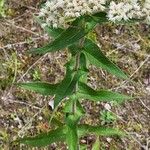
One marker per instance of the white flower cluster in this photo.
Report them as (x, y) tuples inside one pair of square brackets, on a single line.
[(124, 11), (57, 12), (129, 9), (146, 11)]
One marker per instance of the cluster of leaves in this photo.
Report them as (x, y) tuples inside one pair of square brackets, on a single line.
[(84, 52)]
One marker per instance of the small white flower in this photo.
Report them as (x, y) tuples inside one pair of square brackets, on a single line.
[(56, 13), (48, 4), (146, 11), (55, 10), (40, 118), (43, 25), (107, 106), (51, 104), (147, 20), (124, 11)]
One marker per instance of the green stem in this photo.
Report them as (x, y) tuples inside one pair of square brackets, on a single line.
[(76, 68), (77, 65)]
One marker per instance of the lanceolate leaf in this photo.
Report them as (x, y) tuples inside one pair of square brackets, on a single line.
[(79, 109), (84, 66), (100, 17), (63, 89), (45, 139), (71, 35), (96, 145), (72, 138), (56, 122), (97, 58), (53, 32), (87, 92), (67, 86), (74, 49), (83, 62), (39, 87), (72, 134), (72, 120), (99, 131)]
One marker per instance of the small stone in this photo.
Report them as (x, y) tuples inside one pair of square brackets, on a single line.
[(107, 106), (51, 104), (19, 126), (108, 140), (83, 141), (40, 117)]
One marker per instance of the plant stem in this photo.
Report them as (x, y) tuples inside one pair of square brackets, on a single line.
[(77, 65)]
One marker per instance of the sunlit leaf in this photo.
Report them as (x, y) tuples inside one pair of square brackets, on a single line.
[(87, 92), (96, 145), (56, 122), (72, 134), (45, 139), (67, 86), (39, 87), (53, 32), (99, 131), (79, 109), (68, 37), (97, 58)]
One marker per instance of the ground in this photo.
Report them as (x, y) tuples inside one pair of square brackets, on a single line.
[(25, 113)]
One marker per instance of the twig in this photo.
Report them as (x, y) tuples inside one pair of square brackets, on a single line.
[(19, 43), (135, 139), (22, 28), (40, 59), (144, 105), (26, 126), (24, 103), (130, 78)]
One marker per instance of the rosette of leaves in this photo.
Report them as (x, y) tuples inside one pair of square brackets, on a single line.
[(74, 86)]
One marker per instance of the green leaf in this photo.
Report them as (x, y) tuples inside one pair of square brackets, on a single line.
[(72, 138), (64, 89), (79, 109), (67, 86), (74, 49), (45, 139), (77, 30), (71, 35), (83, 62), (53, 32), (100, 17), (83, 147), (71, 134), (2, 9), (97, 58), (72, 120), (85, 129), (56, 122), (96, 145), (87, 92), (84, 66), (41, 88)]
